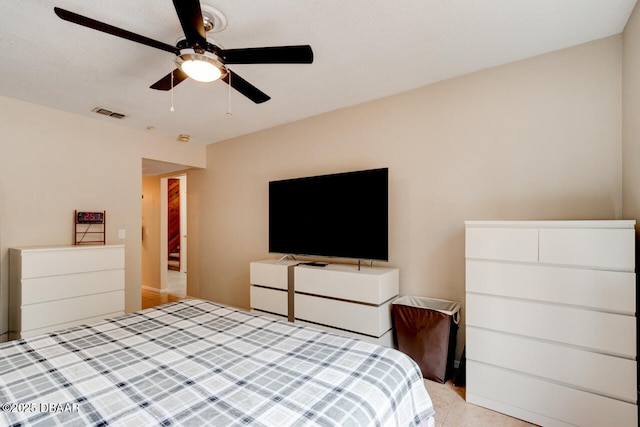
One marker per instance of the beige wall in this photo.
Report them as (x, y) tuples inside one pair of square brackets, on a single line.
[(151, 232), (537, 139), (52, 163), (631, 118)]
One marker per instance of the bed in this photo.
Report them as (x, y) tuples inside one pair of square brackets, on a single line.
[(198, 363)]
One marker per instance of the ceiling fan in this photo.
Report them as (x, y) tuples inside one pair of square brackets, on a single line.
[(198, 59)]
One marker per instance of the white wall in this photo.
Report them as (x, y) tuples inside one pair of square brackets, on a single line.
[(52, 163), (536, 139)]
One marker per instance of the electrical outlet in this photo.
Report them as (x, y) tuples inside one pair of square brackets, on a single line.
[(122, 234)]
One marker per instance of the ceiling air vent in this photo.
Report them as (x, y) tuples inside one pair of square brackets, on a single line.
[(109, 113)]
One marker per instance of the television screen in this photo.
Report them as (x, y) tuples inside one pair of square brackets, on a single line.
[(340, 215)]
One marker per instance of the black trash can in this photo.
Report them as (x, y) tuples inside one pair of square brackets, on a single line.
[(426, 330)]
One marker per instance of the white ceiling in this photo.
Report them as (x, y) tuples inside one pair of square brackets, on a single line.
[(363, 50), (155, 167)]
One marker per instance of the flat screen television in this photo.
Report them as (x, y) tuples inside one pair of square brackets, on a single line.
[(342, 215)]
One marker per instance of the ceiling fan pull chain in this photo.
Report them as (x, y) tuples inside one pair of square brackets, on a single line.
[(171, 109), (229, 113)]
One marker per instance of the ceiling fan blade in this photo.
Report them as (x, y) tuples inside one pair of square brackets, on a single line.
[(165, 82), (190, 16), (110, 29), (245, 88), (301, 54)]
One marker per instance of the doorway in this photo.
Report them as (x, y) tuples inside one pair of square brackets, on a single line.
[(175, 223), (159, 283), (174, 231)]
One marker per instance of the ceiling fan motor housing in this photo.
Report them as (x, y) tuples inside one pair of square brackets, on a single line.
[(206, 60)]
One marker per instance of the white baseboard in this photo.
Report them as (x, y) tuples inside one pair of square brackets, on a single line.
[(156, 290)]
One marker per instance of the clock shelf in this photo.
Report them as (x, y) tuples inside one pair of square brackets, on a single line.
[(90, 228)]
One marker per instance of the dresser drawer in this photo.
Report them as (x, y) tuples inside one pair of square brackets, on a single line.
[(608, 333), (361, 318), (599, 289), (502, 243), (52, 313), (494, 388), (269, 300), (595, 372), (59, 261), (61, 326), (269, 274), (367, 285), (596, 248), (43, 289)]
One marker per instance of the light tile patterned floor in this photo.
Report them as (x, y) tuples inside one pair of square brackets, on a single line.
[(453, 411), (176, 287), (176, 282)]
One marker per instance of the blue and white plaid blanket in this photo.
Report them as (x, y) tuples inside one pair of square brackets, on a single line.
[(198, 363)]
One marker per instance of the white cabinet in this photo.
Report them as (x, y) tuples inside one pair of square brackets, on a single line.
[(550, 318), (53, 288), (270, 284), (347, 300), (337, 297)]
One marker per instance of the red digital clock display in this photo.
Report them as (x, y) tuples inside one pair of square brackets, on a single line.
[(90, 217)]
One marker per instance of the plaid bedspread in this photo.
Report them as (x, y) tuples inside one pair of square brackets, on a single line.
[(197, 363)]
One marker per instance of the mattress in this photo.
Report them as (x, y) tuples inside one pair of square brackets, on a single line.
[(198, 363)]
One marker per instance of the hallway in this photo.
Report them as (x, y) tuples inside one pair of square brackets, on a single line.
[(176, 291)]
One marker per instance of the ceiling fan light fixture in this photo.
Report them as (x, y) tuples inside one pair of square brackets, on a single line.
[(202, 67)]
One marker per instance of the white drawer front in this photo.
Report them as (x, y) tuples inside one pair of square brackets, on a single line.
[(368, 285), (43, 289), (555, 401), (605, 290), (361, 318), (59, 327), (609, 333), (268, 314), (598, 248), (59, 261), (58, 312), (269, 274), (385, 340), (270, 300), (507, 244), (602, 374)]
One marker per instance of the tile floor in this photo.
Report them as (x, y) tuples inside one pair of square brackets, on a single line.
[(453, 411), (177, 282), (451, 408), (176, 291)]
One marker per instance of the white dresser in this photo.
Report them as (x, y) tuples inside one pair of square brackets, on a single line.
[(337, 297), (270, 283), (53, 288), (346, 300), (550, 320)]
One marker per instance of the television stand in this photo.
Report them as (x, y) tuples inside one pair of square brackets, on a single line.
[(336, 297)]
